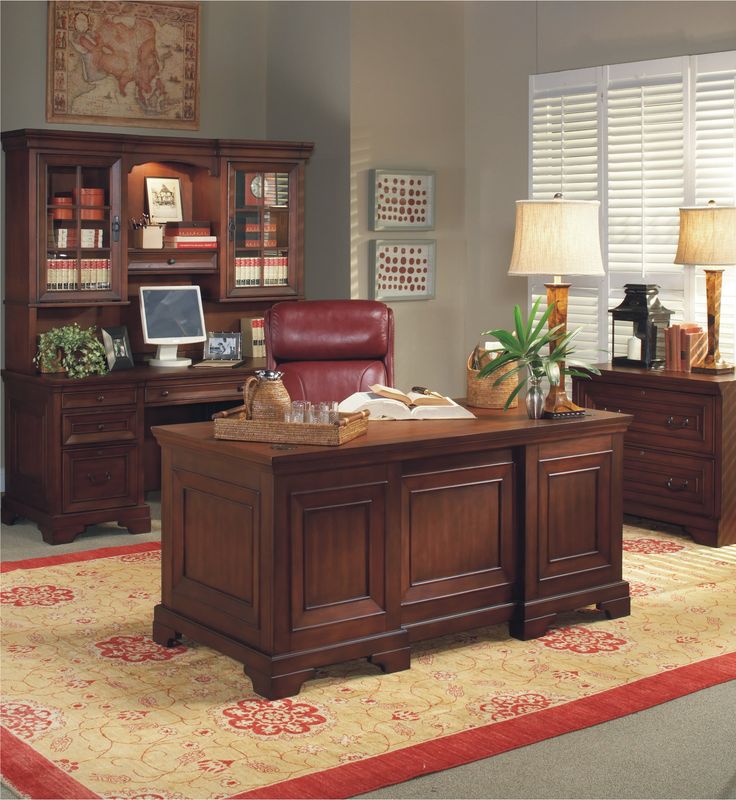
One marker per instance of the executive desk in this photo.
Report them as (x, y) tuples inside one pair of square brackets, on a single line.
[(288, 558), (80, 452)]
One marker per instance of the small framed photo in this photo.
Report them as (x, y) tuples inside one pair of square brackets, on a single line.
[(403, 270), (222, 346), (163, 199), (117, 348), (402, 200)]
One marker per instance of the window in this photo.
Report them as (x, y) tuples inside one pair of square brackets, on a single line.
[(645, 139)]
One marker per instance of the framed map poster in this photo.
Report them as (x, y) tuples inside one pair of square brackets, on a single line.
[(123, 63)]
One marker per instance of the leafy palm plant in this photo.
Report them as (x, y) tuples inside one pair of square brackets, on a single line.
[(525, 347)]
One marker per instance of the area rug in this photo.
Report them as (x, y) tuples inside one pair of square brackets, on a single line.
[(91, 707)]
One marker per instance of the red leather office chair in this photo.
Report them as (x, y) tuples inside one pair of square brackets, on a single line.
[(328, 349)]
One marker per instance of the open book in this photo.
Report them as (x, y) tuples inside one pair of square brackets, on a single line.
[(393, 404)]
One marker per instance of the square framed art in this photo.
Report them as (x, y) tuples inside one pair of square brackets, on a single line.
[(402, 200), (403, 270)]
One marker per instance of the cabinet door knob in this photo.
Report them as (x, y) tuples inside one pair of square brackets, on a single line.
[(672, 422), (98, 480), (164, 393), (100, 427), (672, 487), (100, 398)]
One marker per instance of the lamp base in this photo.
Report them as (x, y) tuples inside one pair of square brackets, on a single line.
[(558, 405), (712, 366)]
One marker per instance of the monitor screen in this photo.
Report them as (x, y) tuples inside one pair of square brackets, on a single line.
[(171, 315)]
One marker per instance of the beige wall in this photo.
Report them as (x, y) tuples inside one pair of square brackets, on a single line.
[(408, 111)]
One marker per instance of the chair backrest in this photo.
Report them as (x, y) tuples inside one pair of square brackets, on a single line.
[(328, 349)]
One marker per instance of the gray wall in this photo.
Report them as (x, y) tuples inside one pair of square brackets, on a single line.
[(308, 91)]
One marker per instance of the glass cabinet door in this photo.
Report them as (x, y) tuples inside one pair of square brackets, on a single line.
[(259, 232), (81, 230)]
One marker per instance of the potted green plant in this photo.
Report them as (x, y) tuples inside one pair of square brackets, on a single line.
[(527, 346), (71, 349)]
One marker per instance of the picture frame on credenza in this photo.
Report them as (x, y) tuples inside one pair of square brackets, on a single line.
[(117, 348)]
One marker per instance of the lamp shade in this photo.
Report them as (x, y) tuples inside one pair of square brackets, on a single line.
[(707, 236), (556, 237)]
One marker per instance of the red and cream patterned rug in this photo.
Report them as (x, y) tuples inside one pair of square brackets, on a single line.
[(91, 707)]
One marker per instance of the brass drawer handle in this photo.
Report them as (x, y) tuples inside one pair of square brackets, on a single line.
[(671, 486), (95, 481), (671, 423)]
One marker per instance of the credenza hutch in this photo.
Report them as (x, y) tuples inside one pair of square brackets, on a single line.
[(79, 452)]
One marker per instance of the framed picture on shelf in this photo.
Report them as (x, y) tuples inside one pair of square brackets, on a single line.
[(403, 270), (402, 200), (163, 200), (117, 348), (223, 346)]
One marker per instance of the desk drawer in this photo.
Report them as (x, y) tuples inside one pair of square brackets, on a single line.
[(95, 478), (175, 261), (677, 483), (663, 419), (105, 426), (201, 391), (100, 398)]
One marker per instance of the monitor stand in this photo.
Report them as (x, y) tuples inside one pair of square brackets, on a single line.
[(166, 357)]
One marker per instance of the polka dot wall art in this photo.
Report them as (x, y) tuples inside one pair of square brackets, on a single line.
[(403, 270), (402, 199)]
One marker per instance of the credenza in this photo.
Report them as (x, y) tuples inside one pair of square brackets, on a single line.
[(289, 557), (680, 451)]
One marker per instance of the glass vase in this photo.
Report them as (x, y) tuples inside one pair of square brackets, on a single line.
[(534, 396)]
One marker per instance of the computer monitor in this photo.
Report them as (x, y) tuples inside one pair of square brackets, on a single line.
[(171, 315)]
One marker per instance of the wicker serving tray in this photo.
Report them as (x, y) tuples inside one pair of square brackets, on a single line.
[(233, 425)]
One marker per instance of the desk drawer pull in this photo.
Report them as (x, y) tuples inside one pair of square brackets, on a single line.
[(171, 261), (672, 423), (95, 481), (240, 387), (164, 393), (671, 485), (100, 427), (100, 398)]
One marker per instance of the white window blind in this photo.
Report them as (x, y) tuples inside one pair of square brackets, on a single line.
[(645, 139)]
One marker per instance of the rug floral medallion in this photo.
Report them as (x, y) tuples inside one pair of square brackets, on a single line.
[(94, 708)]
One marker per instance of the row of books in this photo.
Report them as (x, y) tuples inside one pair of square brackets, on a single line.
[(71, 274), (70, 237), (685, 344), (253, 337), (261, 271)]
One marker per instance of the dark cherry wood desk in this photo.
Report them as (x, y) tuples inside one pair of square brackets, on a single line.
[(80, 452), (289, 558)]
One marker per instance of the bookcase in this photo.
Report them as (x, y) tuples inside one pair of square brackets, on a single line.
[(80, 451)]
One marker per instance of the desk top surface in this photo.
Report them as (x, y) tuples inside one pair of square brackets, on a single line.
[(402, 439)]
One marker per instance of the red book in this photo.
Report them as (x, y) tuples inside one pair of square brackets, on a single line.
[(191, 245)]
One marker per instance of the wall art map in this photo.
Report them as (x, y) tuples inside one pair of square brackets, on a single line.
[(123, 63)]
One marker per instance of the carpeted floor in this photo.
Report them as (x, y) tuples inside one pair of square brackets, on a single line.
[(97, 705)]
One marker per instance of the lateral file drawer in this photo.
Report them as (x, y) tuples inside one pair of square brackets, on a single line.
[(99, 477), (678, 483), (201, 391), (664, 419), (105, 426), (100, 398)]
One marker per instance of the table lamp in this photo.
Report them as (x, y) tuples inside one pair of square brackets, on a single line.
[(708, 239), (557, 237)]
